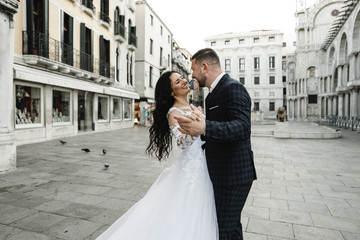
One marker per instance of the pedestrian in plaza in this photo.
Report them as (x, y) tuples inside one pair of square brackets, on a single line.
[(145, 114), (226, 132), (180, 205)]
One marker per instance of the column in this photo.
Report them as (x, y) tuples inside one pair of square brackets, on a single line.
[(334, 106), (352, 67), (354, 103), (7, 140), (347, 103), (340, 76), (340, 105), (346, 74)]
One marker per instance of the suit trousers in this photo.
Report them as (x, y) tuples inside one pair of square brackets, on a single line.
[(229, 204)]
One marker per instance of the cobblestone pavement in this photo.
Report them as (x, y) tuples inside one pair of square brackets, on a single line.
[(306, 188)]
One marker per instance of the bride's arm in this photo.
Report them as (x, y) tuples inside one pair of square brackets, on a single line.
[(183, 140)]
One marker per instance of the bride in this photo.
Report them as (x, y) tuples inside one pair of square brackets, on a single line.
[(180, 204)]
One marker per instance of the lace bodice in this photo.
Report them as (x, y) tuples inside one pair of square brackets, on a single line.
[(183, 141)]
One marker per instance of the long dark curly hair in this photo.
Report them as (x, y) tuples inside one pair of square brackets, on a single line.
[(160, 135)]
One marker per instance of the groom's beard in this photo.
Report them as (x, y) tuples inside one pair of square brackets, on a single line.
[(202, 81)]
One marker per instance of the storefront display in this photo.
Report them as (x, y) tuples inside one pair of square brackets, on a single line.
[(103, 108), (117, 109), (61, 106), (28, 105), (127, 108)]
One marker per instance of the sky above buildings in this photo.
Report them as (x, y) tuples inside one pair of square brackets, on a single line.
[(191, 21)]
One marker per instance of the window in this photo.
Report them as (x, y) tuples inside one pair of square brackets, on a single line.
[(151, 46), (242, 63), (283, 65), (271, 39), (168, 38), (256, 40), (61, 106), (117, 65), (104, 57), (256, 80), (272, 79), (312, 99), (161, 30), (284, 91), (241, 41), (103, 108), (256, 106), (151, 20), (168, 60), (28, 105), (227, 42), (242, 80), (256, 63), (127, 108), (161, 56), (294, 43), (67, 39), (116, 109), (150, 76), (86, 48), (284, 44), (271, 106), (284, 79), (256, 94), (227, 65), (213, 44), (271, 62), (104, 11)]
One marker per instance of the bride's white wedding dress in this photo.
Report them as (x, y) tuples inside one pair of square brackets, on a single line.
[(179, 205)]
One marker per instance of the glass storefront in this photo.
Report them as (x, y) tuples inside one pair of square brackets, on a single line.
[(127, 108), (61, 106), (116, 109), (28, 105), (103, 108)]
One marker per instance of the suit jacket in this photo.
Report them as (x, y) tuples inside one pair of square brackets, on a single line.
[(228, 128)]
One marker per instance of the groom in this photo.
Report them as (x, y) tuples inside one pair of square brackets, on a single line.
[(226, 132)]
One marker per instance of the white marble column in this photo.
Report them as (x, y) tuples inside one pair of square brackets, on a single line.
[(340, 105), (347, 103), (334, 105), (340, 76), (346, 74), (354, 103), (7, 140)]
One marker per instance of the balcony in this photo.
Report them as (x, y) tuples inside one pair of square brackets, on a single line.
[(105, 19), (41, 50), (89, 7), (132, 42), (119, 31)]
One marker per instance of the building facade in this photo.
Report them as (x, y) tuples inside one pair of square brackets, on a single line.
[(255, 59), (339, 82), (153, 55), (73, 67), (7, 135)]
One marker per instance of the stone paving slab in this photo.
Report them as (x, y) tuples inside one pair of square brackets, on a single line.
[(306, 188)]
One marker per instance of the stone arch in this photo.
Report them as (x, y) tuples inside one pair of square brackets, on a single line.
[(331, 59), (356, 34), (343, 50)]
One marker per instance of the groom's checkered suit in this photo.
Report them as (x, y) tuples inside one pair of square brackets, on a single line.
[(228, 152)]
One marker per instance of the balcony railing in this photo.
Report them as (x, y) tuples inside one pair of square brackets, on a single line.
[(119, 29), (132, 39), (105, 17), (89, 4), (35, 43)]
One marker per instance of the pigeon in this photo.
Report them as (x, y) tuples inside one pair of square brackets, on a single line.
[(106, 165), (62, 142), (104, 151), (86, 150)]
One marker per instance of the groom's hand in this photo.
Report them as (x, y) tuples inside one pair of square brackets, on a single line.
[(193, 124)]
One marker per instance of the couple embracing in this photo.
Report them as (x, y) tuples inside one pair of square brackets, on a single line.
[(201, 196)]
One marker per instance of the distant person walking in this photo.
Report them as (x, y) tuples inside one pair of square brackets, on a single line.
[(145, 114)]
